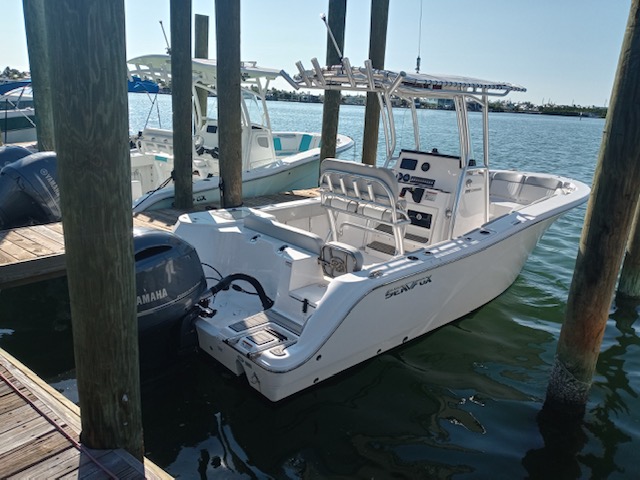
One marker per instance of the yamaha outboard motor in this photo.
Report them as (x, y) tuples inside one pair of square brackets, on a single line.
[(169, 284), (29, 192), (11, 153)]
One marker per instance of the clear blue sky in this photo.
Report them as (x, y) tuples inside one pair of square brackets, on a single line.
[(563, 50)]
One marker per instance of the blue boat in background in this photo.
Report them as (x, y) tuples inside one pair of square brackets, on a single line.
[(137, 85), (7, 86)]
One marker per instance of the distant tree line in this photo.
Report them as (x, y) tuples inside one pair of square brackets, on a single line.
[(548, 109), (13, 74), (307, 97)]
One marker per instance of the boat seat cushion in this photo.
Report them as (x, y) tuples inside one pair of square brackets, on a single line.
[(339, 258), (506, 185), (292, 236), (537, 188)]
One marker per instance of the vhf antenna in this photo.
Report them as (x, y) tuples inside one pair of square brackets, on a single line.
[(333, 39), (165, 38)]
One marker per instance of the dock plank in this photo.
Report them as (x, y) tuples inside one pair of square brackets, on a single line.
[(59, 464), (15, 252), (24, 433), (41, 440), (14, 417), (47, 231), (42, 237), (45, 447)]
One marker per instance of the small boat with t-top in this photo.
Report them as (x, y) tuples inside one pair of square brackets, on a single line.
[(303, 290), (272, 162)]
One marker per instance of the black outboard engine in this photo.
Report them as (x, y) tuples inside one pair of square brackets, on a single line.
[(29, 192), (169, 284), (11, 153)]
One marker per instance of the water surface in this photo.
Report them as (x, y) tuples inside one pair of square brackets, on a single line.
[(461, 402)]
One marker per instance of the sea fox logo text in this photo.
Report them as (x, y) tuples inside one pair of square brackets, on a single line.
[(407, 286)]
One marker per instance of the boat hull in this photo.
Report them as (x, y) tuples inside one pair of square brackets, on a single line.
[(267, 181), (375, 324), (290, 172), (17, 126), (355, 316)]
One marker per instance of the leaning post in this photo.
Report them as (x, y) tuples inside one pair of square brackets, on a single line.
[(606, 227), (331, 105), (629, 283), (38, 47), (201, 50), (228, 87), (377, 47), (181, 101), (91, 124)]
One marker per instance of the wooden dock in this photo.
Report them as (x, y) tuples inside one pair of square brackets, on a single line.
[(31, 254), (40, 431)]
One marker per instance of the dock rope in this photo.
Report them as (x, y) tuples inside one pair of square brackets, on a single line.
[(71, 440)]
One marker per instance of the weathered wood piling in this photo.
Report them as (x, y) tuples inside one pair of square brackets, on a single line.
[(331, 105), (629, 283), (181, 81), (36, 29), (377, 50), (228, 87), (201, 50), (606, 227), (91, 130)]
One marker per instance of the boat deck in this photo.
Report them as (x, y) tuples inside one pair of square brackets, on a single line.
[(40, 434), (31, 254)]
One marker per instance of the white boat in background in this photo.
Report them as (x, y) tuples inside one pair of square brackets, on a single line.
[(303, 290), (17, 115), (272, 162)]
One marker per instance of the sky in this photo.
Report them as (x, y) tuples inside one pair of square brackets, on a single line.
[(563, 51)]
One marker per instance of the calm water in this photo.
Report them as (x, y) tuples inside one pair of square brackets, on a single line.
[(461, 402)]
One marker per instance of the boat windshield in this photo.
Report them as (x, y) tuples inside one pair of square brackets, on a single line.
[(255, 109), (437, 123)]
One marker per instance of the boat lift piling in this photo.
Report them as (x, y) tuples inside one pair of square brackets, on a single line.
[(331, 104), (201, 50), (606, 227), (38, 48), (181, 81), (91, 130), (229, 100), (377, 47)]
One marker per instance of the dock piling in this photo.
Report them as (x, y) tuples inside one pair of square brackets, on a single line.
[(377, 48), (201, 50), (36, 29), (331, 105), (606, 228), (181, 101), (229, 100), (91, 125), (629, 283)]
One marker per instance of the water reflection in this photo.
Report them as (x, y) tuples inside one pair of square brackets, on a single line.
[(602, 440)]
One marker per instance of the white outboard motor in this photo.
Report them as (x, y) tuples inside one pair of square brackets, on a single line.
[(29, 192), (169, 284)]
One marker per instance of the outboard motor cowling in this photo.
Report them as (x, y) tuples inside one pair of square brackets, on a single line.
[(11, 153), (169, 284), (29, 192)]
